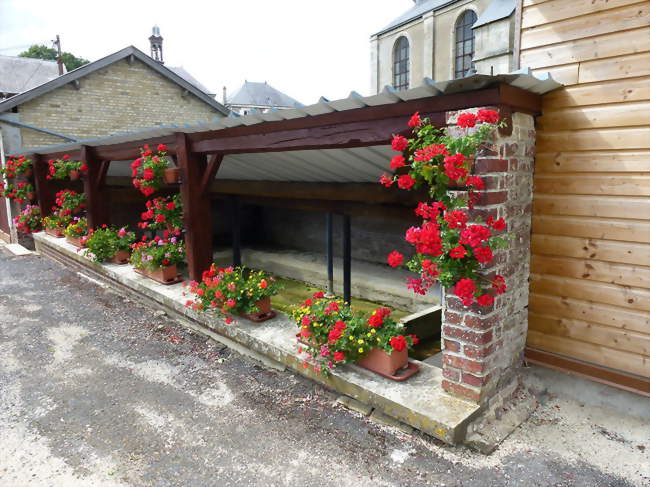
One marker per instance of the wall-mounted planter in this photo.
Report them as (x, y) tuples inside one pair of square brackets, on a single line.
[(121, 257), (166, 275)]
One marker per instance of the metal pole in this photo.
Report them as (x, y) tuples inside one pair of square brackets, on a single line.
[(13, 234), (236, 230), (347, 260), (329, 230)]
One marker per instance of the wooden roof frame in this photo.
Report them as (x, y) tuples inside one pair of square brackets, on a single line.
[(359, 127)]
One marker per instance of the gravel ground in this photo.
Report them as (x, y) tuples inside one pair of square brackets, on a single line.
[(96, 390)]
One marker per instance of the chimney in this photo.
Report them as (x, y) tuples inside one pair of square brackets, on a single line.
[(156, 41), (224, 95)]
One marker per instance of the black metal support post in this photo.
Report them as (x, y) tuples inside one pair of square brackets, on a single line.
[(347, 259), (329, 239), (236, 230)]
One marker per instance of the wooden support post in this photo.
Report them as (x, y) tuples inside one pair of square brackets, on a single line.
[(235, 213), (96, 197), (214, 163), (197, 212), (347, 259), (329, 244), (43, 189)]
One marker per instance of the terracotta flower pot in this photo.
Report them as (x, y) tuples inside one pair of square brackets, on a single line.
[(55, 232), (30, 196), (121, 257), (395, 365), (164, 275), (73, 175), (76, 241), (171, 175), (265, 312)]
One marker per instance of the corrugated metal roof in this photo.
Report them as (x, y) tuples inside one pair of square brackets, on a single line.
[(18, 74), (344, 165), (261, 95)]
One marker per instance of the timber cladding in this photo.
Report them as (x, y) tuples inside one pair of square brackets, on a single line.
[(590, 269)]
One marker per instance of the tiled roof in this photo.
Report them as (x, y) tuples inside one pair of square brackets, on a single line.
[(261, 94)]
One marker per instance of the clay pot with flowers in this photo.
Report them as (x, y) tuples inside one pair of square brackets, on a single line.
[(69, 203), (109, 244), (65, 168), (55, 224), (28, 220), (17, 166), (237, 290), (158, 258), (333, 334), (76, 233), (449, 247), (150, 170)]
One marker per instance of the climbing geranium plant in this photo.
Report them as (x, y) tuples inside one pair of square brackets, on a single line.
[(147, 170), (449, 248)]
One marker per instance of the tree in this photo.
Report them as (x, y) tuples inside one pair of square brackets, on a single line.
[(43, 52)]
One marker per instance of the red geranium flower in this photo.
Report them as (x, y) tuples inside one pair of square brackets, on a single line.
[(415, 120), (398, 343), (466, 120), (405, 181), (399, 143), (487, 116), (386, 180), (498, 225), (339, 356), (397, 162), (485, 300), (395, 259), (483, 254), (458, 252)]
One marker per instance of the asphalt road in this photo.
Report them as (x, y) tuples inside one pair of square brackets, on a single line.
[(98, 390)]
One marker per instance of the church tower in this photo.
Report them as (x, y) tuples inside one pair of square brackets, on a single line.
[(156, 41)]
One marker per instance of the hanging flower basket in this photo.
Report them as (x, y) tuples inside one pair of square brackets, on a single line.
[(172, 175), (73, 175), (17, 166)]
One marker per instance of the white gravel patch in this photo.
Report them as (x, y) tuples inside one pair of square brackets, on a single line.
[(64, 339)]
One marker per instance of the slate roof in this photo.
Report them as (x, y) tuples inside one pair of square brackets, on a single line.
[(18, 74), (261, 94), (182, 72), (418, 10), (102, 63), (496, 10)]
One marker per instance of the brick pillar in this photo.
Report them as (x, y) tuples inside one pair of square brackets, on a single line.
[(483, 346)]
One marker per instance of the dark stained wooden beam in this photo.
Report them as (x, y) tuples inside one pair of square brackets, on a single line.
[(96, 197), (214, 163), (103, 171), (44, 191), (197, 212), (342, 135)]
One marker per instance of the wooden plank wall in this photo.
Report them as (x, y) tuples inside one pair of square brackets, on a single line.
[(590, 282)]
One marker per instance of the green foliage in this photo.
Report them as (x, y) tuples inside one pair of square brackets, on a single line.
[(157, 253), (77, 228), (50, 54), (235, 289), (56, 221), (105, 242)]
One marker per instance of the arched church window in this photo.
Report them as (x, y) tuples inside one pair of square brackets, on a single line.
[(401, 64), (464, 43)]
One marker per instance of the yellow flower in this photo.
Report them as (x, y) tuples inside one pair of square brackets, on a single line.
[(377, 339), (360, 350), (360, 341), (373, 331)]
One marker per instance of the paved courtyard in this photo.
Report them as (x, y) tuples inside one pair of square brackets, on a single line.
[(96, 390)]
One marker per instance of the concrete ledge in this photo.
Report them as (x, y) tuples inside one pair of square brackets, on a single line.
[(420, 402)]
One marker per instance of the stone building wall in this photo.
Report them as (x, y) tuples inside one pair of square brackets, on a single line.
[(119, 98), (432, 45), (484, 346)]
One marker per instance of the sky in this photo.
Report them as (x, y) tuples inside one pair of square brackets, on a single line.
[(304, 48)]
